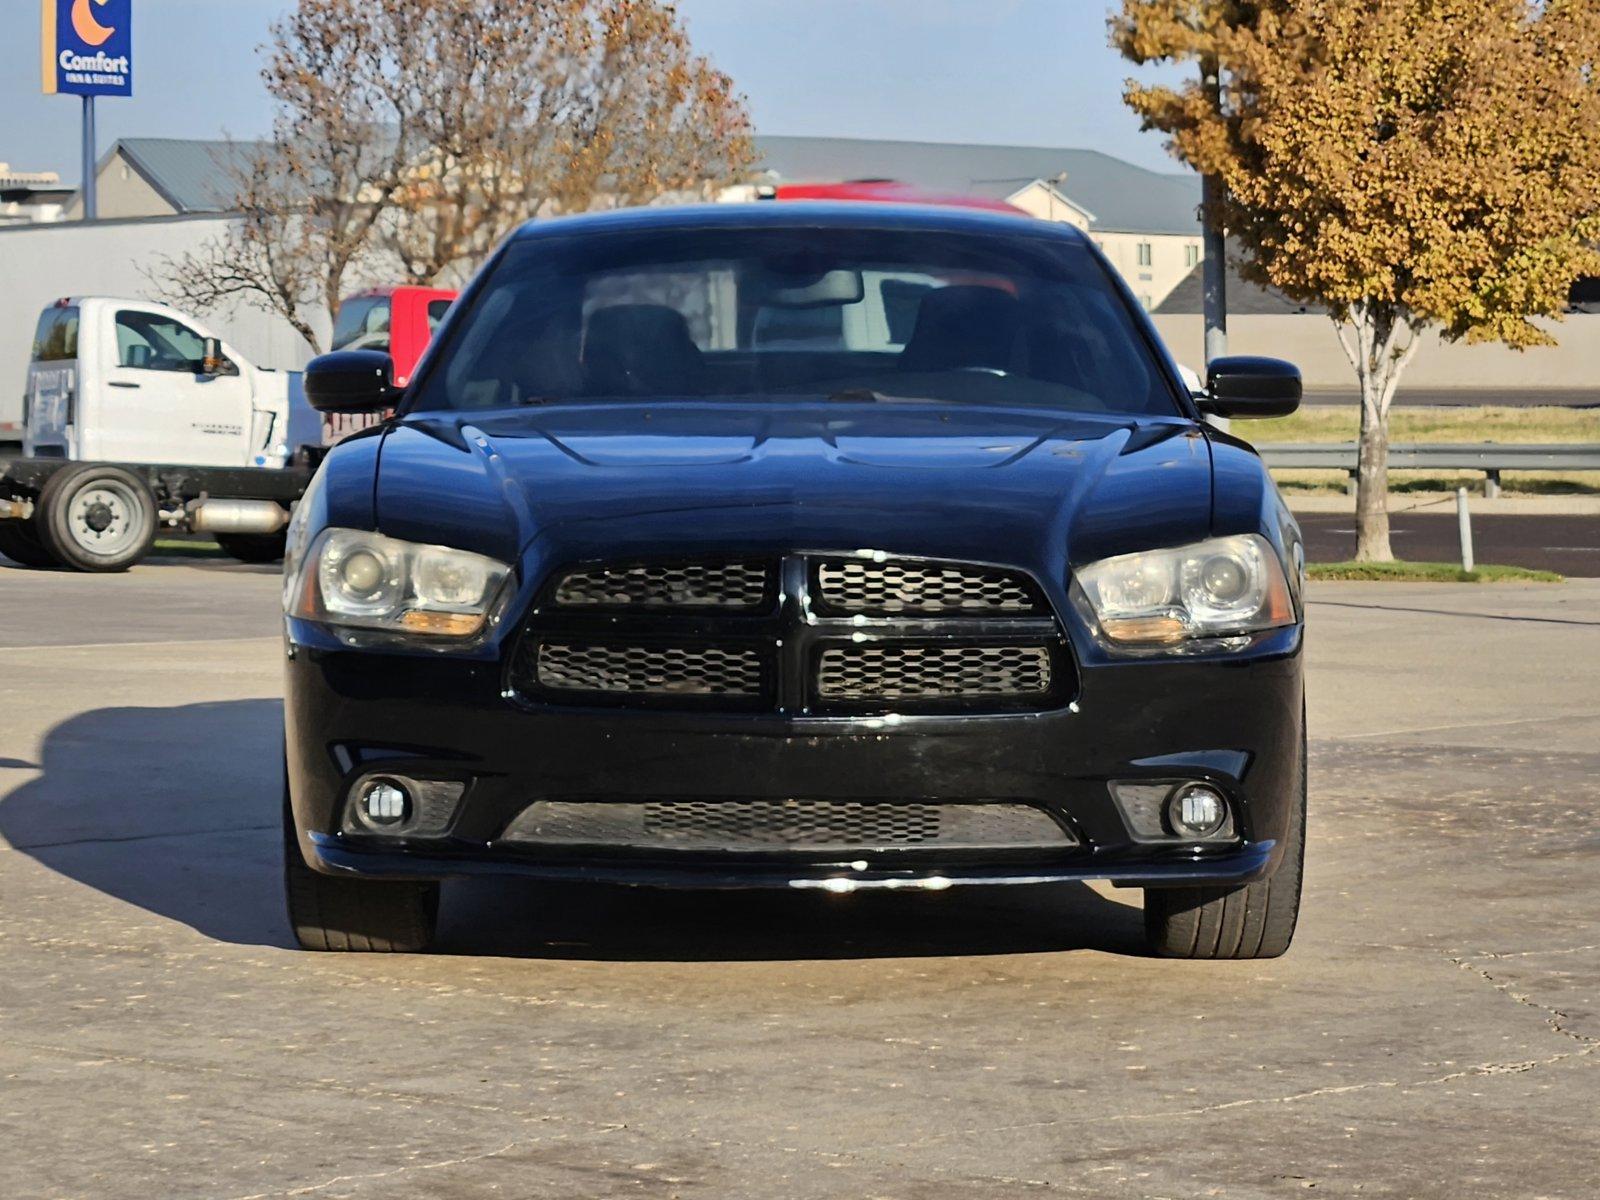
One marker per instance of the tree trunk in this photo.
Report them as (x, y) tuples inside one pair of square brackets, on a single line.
[(1380, 341), (1372, 478)]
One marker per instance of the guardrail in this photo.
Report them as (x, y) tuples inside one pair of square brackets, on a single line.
[(1489, 457)]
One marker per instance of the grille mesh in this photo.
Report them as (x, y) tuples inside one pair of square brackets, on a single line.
[(649, 670), (845, 634), (777, 825), (912, 587), (893, 672), (666, 585)]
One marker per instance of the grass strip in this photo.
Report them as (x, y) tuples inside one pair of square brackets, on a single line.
[(175, 547), (1488, 423), (1429, 572)]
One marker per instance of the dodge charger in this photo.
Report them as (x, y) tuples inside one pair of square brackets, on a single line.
[(833, 547)]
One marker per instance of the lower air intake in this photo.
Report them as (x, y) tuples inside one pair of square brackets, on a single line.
[(890, 672), (661, 670), (756, 826)]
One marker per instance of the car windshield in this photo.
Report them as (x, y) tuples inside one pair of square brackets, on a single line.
[(785, 314)]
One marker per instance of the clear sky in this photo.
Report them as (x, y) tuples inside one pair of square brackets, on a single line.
[(1032, 72)]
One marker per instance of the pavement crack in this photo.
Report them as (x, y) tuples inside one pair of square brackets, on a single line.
[(1558, 1020), (1541, 953), (1461, 725), (140, 837), (1477, 1071), (312, 1188), (83, 1054)]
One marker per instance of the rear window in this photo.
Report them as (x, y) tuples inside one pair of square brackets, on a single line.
[(56, 337), (799, 313)]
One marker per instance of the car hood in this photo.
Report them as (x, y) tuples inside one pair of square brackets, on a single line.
[(1032, 489)]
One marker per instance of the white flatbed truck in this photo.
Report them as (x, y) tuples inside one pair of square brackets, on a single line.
[(137, 419)]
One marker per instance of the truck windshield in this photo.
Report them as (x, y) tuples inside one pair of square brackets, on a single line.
[(799, 313), (362, 324)]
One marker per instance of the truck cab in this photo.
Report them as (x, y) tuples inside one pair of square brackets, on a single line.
[(131, 381), (397, 320)]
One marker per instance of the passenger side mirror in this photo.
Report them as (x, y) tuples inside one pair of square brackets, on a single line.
[(1245, 386), (352, 381)]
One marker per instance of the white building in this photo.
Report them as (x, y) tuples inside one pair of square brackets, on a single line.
[(31, 197)]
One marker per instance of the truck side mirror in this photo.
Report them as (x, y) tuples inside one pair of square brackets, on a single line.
[(352, 381), (1245, 386), (213, 362)]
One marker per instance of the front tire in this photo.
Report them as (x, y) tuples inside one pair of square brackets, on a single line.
[(1253, 921), (96, 518), (375, 916)]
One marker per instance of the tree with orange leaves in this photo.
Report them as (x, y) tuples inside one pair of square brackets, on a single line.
[(1407, 164)]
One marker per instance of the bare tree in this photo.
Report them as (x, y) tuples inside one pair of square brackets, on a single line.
[(545, 106), (413, 134), (267, 259)]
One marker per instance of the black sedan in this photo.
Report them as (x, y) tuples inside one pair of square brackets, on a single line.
[(808, 546)]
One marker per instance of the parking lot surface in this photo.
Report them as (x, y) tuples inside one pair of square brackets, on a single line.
[(1434, 1032)]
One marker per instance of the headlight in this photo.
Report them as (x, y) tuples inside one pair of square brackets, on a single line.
[(1219, 588), (368, 581)]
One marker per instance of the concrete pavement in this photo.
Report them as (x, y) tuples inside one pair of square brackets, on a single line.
[(1435, 1031)]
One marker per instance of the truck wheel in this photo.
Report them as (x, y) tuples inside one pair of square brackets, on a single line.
[(96, 518), (1254, 921), (329, 913), (19, 541), (254, 547)]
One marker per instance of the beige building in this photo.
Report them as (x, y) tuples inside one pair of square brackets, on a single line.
[(163, 177)]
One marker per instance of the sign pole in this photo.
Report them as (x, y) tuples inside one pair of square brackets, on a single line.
[(86, 49), (89, 201)]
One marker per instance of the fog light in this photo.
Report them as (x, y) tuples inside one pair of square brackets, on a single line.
[(384, 804), (1196, 810)]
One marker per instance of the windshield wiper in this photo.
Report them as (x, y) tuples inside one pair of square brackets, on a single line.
[(869, 396)]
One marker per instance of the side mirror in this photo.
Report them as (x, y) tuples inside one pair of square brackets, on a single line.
[(1244, 386), (211, 360), (352, 381)]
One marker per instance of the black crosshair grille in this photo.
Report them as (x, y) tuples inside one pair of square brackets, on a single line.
[(803, 635)]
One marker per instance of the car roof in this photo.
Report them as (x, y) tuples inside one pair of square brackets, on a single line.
[(803, 214)]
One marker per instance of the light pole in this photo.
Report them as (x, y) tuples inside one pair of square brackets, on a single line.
[(90, 206), (1214, 269)]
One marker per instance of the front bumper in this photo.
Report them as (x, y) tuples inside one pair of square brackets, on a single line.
[(1232, 720)]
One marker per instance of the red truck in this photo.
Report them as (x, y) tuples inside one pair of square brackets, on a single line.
[(397, 320), (886, 191)]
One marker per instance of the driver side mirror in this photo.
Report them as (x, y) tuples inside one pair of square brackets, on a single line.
[(352, 381), (213, 362), (1245, 386)]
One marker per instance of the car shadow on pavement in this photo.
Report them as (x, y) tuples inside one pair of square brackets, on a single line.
[(176, 811), (614, 924)]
